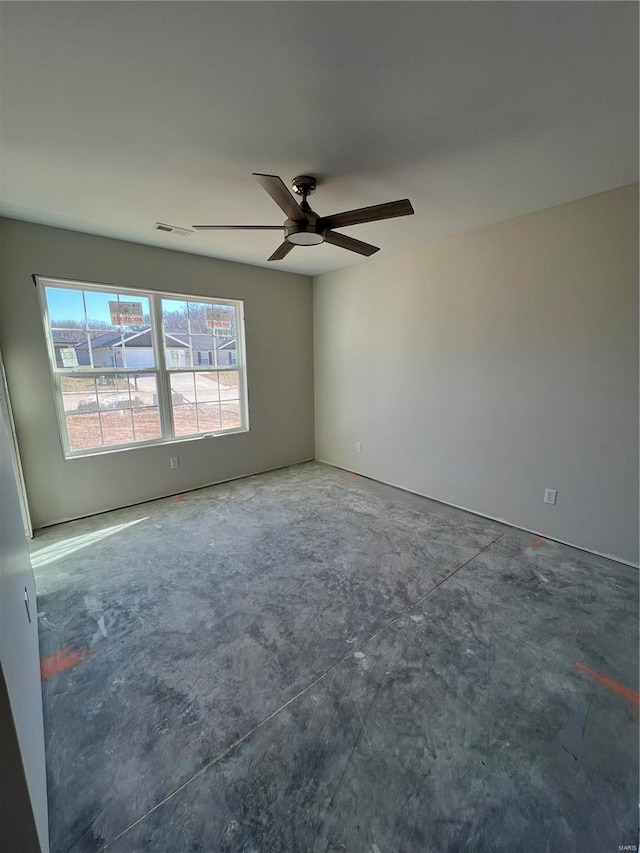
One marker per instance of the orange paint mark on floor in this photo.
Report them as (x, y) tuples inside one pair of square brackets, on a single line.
[(64, 659), (620, 689), (538, 542), (351, 476), (180, 497)]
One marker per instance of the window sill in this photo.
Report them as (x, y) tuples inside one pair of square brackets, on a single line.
[(105, 451)]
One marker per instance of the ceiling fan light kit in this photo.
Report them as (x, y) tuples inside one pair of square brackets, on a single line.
[(303, 226), (302, 237)]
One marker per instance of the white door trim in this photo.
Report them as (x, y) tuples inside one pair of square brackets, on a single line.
[(14, 451)]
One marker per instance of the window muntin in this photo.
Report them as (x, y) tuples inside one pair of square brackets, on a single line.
[(134, 367)]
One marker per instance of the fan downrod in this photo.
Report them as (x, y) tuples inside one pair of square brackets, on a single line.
[(304, 185)]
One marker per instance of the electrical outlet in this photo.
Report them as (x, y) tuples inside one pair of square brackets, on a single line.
[(358, 447), (550, 496), (174, 462)]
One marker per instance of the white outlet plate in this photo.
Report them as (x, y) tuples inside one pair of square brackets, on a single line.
[(358, 447), (174, 462), (550, 496)]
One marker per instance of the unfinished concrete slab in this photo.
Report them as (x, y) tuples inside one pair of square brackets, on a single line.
[(309, 661)]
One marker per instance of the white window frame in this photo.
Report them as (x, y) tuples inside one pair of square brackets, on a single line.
[(161, 369)]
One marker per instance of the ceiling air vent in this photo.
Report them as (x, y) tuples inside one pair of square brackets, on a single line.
[(172, 229)]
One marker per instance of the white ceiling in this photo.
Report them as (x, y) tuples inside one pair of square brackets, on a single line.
[(115, 115)]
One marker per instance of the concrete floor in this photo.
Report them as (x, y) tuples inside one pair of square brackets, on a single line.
[(306, 660)]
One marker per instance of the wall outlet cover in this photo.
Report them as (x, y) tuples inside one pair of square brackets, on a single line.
[(550, 496)]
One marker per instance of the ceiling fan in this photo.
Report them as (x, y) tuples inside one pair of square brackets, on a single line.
[(303, 227)]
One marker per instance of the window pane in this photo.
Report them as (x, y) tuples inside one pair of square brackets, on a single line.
[(174, 315), (118, 329), (207, 387), (146, 423), (183, 395), (84, 431), (229, 382), (178, 353), (198, 333), (231, 415), (226, 354), (97, 308), (201, 347), (221, 319), (209, 417), (203, 389), (78, 394), (136, 351), (66, 308), (129, 312), (144, 390), (182, 388), (185, 419), (67, 322), (128, 407), (66, 343), (117, 426)]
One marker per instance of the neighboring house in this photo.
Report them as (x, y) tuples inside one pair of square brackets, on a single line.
[(112, 349), (207, 350), (131, 349)]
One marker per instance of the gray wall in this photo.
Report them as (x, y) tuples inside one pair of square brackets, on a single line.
[(278, 315), (484, 368), (23, 794)]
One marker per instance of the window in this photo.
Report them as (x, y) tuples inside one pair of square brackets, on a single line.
[(135, 367)]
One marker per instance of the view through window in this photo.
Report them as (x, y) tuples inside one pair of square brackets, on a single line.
[(132, 367)]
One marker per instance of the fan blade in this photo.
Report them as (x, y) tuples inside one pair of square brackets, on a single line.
[(349, 243), (282, 251), (369, 214), (280, 194), (239, 227)]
